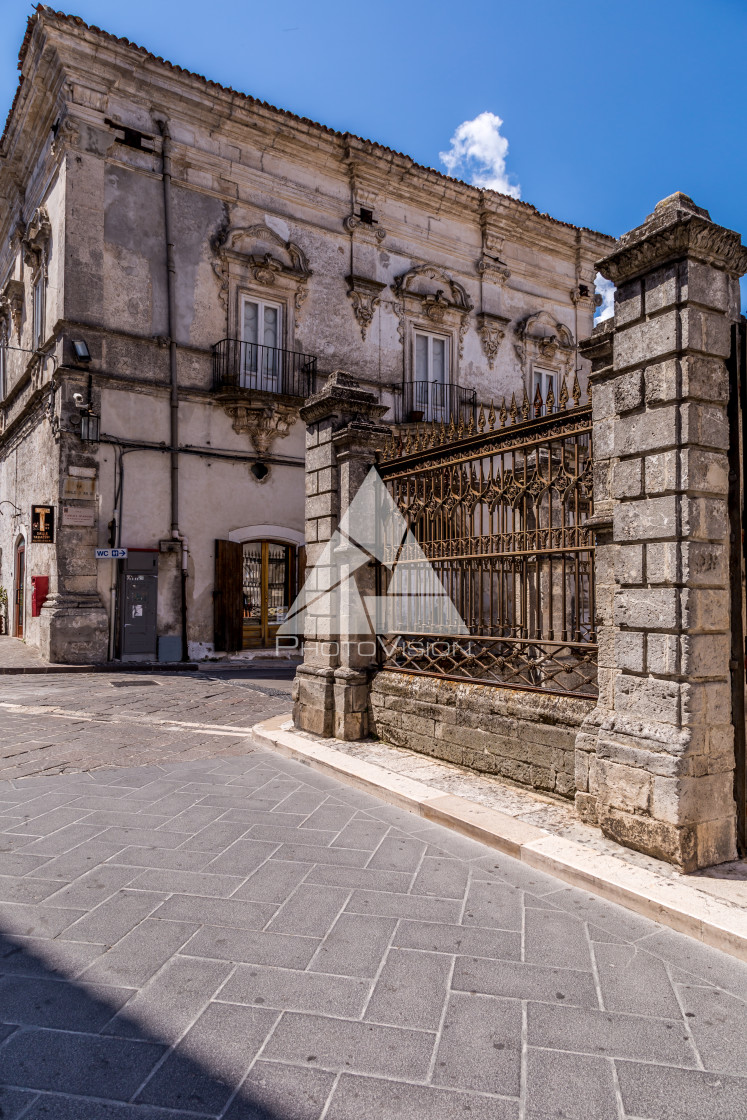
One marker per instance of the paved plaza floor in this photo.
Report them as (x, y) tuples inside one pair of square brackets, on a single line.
[(221, 932)]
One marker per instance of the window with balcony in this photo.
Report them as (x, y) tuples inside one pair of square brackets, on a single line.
[(261, 342), (431, 380), (38, 311), (3, 362)]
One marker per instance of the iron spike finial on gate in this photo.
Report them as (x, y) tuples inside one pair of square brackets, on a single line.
[(549, 401), (491, 417), (471, 425), (442, 436), (503, 414), (408, 440), (460, 427), (525, 405), (452, 430), (564, 395), (588, 391), (576, 391), (481, 420), (537, 402), (513, 411), (434, 433)]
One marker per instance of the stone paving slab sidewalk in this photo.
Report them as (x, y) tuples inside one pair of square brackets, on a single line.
[(543, 831), (248, 939), (17, 657)]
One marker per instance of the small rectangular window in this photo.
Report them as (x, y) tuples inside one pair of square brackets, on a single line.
[(544, 380)]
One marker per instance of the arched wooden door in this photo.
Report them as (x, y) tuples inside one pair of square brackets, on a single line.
[(18, 588), (270, 584)]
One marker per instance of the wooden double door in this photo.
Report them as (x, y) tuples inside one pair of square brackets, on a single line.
[(255, 586), (19, 588)]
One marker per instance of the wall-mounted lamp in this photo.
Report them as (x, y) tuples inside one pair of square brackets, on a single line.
[(89, 427), (7, 502), (82, 353)]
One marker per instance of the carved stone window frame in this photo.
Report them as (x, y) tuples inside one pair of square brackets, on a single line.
[(4, 335), (545, 344), (428, 299), (262, 295), (279, 274)]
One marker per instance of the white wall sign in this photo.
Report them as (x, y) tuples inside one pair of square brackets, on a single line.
[(82, 516), (111, 553)]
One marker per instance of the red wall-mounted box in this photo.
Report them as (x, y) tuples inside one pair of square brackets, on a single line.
[(39, 592)]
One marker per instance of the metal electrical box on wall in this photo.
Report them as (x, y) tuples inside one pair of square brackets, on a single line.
[(139, 606), (39, 592)]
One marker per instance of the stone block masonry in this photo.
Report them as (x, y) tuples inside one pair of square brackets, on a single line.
[(523, 736), (655, 759)]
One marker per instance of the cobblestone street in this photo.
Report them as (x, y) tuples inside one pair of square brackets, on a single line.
[(193, 927)]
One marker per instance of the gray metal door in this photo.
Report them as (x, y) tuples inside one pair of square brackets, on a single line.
[(139, 606)]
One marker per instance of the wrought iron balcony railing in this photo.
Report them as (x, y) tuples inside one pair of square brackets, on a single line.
[(245, 365), (435, 400)]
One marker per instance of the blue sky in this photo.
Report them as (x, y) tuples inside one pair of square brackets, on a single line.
[(606, 108)]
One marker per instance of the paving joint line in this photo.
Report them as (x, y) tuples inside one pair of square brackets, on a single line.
[(676, 904)]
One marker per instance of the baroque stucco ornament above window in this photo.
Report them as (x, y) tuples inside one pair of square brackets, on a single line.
[(542, 338), (429, 295), (11, 304), (365, 296), (35, 241), (256, 252), (492, 331)]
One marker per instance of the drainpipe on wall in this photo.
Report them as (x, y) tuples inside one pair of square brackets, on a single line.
[(174, 402)]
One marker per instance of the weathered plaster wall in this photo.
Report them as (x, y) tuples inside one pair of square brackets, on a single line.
[(243, 174)]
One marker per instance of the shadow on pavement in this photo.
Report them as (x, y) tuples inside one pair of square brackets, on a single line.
[(67, 1052)]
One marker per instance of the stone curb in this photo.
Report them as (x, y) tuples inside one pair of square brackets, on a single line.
[(670, 902)]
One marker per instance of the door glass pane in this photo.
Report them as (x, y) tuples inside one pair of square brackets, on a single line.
[(270, 355), (421, 357), (439, 360), (253, 583), (271, 326), (251, 321), (277, 583)]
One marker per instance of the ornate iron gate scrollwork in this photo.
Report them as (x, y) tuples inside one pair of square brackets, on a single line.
[(498, 507)]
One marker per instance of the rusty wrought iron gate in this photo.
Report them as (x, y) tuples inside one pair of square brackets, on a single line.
[(738, 564), (498, 509)]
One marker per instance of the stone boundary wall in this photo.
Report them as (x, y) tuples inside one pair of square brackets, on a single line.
[(526, 737)]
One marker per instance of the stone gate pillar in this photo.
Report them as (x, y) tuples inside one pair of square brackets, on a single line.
[(330, 692), (655, 760)]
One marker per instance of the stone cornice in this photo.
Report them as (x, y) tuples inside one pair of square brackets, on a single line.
[(677, 228), (99, 58), (343, 396)]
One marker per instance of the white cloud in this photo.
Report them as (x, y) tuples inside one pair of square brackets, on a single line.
[(478, 154), (605, 289)]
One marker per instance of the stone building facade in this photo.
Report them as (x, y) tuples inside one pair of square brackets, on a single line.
[(182, 265)]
